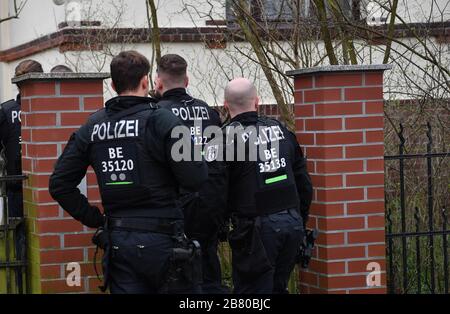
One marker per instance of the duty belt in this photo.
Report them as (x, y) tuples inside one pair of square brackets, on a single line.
[(157, 225)]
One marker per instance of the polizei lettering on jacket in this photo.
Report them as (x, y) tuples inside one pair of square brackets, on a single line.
[(16, 116), (265, 135), (112, 130), (191, 113)]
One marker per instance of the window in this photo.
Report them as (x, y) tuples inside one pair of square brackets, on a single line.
[(265, 10), (284, 10), (276, 10)]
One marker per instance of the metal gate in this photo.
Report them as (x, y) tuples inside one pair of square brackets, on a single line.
[(417, 219), (13, 268)]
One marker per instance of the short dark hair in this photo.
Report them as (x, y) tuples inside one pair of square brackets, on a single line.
[(60, 68), (28, 66), (127, 70), (173, 65)]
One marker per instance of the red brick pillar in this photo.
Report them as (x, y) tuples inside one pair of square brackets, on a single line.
[(53, 106), (339, 122)]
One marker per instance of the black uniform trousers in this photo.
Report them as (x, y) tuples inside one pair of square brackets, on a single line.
[(197, 219), (211, 270), (139, 263), (265, 266)]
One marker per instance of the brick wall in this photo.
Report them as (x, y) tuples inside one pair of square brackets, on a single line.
[(53, 106), (339, 123), (269, 110)]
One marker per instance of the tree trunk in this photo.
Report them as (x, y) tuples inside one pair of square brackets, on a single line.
[(322, 15), (156, 41), (391, 28)]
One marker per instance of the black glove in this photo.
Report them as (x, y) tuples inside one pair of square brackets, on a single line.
[(100, 238)]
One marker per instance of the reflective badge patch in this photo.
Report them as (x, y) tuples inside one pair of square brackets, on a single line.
[(276, 179), (117, 164)]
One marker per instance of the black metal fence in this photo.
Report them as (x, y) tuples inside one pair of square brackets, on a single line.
[(13, 268), (417, 201)]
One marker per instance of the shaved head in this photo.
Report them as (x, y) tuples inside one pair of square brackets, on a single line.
[(240, 96)]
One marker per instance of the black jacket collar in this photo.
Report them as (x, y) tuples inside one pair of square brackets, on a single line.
[(248, 117), (176, 94), (120, 103)]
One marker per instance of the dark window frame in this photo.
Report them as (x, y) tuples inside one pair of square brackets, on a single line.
[(353, 9)]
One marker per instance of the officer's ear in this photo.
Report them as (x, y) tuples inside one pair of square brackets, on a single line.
[(113, 86), (256, 103), (144, 82), (158, 83), (186, 81), (227, 107)]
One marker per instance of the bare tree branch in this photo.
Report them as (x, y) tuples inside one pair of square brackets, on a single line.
[(322, 15), (156, 42), (250, 31), (18, 7), (390, 33)]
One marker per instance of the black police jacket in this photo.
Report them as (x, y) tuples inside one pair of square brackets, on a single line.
[(272, 178), (203, 212), (128, 144), (10, 129), (189, 110)]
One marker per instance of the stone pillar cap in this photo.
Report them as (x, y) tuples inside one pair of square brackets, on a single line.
[(340, 68), (59, 76)]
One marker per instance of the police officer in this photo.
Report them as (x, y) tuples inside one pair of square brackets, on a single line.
[(203, 211), (10, 138), (129, 145), (269, 194)]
